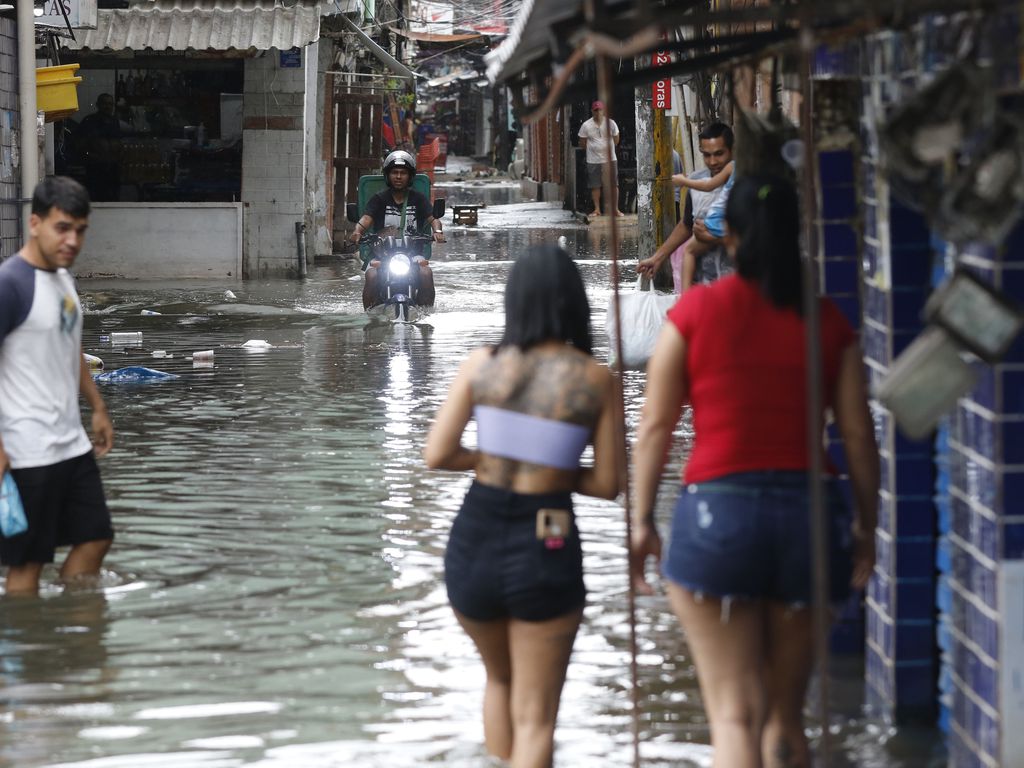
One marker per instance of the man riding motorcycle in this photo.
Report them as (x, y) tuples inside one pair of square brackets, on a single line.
[(388, 210)]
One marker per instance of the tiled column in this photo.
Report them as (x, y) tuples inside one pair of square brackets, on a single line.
[(897, 259), (985, 588), (840, 280), (10, 182), (836, 118)]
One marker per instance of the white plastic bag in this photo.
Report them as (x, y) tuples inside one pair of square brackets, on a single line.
[(643, 314), (12, 513)]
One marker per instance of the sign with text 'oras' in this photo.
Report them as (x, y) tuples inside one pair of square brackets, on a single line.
[(662, 96), (81, 14)]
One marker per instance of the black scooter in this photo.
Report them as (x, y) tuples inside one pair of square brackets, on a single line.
[(398, 276)]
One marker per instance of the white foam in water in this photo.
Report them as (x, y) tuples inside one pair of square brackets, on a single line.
[(226, 742), (112, 732), (209, 710)]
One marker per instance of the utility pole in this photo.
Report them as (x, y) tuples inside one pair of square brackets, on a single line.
[(648, 238), (664, 195)]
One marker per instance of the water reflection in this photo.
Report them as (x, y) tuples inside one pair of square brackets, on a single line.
[(276, 594)]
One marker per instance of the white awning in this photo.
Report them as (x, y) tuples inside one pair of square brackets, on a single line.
[(203, 25)]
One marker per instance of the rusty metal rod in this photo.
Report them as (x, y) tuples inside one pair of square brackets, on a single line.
[(605, 91), (815, 400)]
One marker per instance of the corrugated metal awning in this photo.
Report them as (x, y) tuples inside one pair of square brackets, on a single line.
[(202, 25)]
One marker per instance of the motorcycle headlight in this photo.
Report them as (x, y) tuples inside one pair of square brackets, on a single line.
[(399, 265)]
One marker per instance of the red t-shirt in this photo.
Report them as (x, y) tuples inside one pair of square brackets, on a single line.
[(745, 363)]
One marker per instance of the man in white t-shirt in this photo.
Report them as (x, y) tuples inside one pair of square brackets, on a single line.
[(42, 441), (596, 135)]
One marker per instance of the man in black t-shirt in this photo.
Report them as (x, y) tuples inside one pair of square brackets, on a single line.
[(405, 210)]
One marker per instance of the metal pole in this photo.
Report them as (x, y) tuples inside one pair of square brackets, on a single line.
[(604, 88), (300, 247), (812, 323), (27, 105)]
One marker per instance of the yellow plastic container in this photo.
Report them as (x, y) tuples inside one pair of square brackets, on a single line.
[(57, 91)]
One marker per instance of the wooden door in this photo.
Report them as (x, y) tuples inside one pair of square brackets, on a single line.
[(358, 150)]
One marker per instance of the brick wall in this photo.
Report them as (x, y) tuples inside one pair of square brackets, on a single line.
[(10, 176), (272, 165)]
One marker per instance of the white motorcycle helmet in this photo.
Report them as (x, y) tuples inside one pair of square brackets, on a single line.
[(399, 159)]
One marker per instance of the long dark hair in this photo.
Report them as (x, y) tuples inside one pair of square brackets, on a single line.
[(764, 213), (545, 301)]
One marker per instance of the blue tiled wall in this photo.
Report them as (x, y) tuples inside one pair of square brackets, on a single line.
[(840, 279), (897, 260), (986, 461)]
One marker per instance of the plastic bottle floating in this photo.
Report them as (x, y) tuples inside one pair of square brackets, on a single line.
[(149, 312), (135, 374), (126, 338)]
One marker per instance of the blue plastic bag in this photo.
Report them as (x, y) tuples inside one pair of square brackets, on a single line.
[(12, 513), (135, 374)]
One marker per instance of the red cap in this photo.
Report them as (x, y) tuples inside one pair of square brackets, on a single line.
[(597, 105)]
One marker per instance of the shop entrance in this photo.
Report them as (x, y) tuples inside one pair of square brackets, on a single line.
[(358, 149)]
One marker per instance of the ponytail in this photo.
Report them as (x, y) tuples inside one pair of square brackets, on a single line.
[(764, 213)]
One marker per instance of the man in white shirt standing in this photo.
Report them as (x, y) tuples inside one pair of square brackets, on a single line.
[(595, 135), (42, 441)]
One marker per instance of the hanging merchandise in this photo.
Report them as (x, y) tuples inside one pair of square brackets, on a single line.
[(760, 143), (985, 200), (925, 132)]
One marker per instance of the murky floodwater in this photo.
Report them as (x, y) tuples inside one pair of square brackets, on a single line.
[(275, 593)]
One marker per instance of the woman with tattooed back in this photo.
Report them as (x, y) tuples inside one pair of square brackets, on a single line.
[(514, 567)]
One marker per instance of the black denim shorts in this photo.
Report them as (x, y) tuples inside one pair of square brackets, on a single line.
[(748, 536), (496, 567), (64, 505)]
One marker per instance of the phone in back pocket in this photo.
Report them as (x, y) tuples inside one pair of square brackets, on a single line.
[(553, 523)]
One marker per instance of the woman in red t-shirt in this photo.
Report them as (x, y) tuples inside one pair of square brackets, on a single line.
[(738, 566)]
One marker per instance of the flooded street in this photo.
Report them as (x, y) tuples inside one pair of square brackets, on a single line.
[(275, 595)]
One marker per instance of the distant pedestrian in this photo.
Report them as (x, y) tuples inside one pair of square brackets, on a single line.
[(42, 373), (738, 568), (514, 565), (596, 135)]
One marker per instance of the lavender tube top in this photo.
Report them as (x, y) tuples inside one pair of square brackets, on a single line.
[(534, 439)]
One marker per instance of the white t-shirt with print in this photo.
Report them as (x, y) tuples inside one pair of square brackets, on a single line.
[(597, 137), (40, 361)]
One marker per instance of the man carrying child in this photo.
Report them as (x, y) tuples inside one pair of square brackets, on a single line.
[(695, 243)]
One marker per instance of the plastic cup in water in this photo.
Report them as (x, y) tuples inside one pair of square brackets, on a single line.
[(125, 338), (204, 356)]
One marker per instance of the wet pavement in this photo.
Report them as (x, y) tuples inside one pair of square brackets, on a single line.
[(275, 593)]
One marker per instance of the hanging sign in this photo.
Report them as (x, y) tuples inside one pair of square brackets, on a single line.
[(81, 13), (662, 96)]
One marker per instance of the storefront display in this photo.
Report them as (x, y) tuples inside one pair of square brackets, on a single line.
[(158, 132)]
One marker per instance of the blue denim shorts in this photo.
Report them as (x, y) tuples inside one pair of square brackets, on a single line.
[(747, 535)]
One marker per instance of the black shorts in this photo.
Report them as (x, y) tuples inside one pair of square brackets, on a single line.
[(496, 567), (64, 505)]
